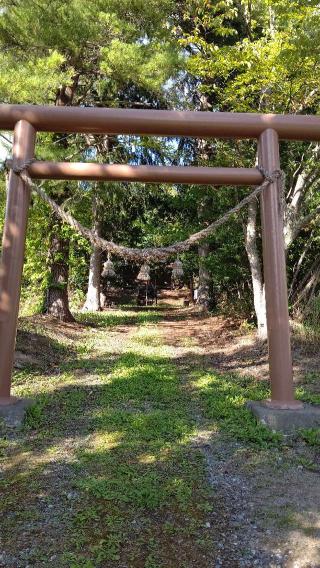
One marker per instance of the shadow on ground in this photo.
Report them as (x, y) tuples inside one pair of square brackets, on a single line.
[(149, 459)]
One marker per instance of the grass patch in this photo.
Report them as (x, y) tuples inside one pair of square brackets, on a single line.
[(118, 317), (306, 395), (141, 472), (111, 456), (311, 436), (105, 471), (223, 398)]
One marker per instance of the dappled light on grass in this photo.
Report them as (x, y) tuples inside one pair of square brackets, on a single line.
[(114, 318), (224, 397), (116, 416), (151, 469), (109, 469), (147, 458)]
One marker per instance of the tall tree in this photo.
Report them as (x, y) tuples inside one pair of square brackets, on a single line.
[(93, 297), (262, 56), (88, 53)]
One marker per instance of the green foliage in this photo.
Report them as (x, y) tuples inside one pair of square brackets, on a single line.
[(88, 53), (311, 436), (149, 66), (264, 57), (83, 43), (33, 80), (257, 56)]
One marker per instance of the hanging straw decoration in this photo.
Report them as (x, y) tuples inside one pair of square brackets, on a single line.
[(144, 273), (108, 269), (177, 270)]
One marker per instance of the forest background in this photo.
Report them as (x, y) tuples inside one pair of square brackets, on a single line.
[(209, 56)]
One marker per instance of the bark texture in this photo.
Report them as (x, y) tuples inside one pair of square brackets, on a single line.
[(57, 300), (305, 281), (251, 243), (204, 153), (93, 299), (57, 303), (204, 277)]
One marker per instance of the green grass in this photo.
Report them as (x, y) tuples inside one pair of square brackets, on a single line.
[(142, 492), (117, 317), (311, 436), (113, 419), (224, 398), (309, 392), (140, 471), (306, 394)]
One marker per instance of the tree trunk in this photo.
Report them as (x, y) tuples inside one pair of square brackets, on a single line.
[(57, 303), (306, 289), (93, 299), (259, 298), (204, 277), (204, 206), (57, 300)]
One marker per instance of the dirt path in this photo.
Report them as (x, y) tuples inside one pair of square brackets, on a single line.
[(139, 454), (270, 497)]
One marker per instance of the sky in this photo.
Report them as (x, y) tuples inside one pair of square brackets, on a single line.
[(4, 154)]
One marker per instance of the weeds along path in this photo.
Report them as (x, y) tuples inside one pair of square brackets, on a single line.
[(105, 472)]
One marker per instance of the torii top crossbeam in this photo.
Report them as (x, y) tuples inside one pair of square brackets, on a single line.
[(159, 122)]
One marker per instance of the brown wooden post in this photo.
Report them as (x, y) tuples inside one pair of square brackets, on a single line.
[(280, 360), (13, 246)]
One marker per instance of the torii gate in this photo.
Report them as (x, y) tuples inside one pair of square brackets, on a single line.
[(26, 120)]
